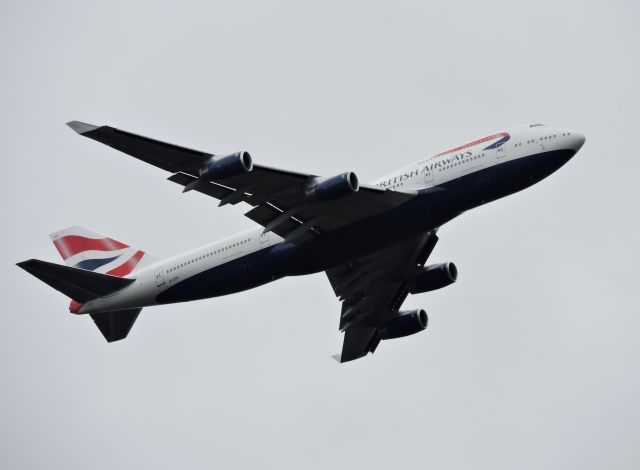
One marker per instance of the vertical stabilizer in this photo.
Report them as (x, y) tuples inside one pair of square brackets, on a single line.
[(81, 248)]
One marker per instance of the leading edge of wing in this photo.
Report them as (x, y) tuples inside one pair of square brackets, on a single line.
[(164, 155)]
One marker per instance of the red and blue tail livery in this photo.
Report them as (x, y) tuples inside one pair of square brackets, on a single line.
[(81, 248)]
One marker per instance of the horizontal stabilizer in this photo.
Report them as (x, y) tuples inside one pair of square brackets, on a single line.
[(79, 284), (115, 326)]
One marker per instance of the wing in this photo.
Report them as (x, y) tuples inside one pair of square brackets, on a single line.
[(372, 289), (279, 198)]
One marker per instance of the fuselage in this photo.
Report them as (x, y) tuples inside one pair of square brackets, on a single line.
[(445, 184)]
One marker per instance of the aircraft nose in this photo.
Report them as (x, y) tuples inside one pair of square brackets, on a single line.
[(576, 141)]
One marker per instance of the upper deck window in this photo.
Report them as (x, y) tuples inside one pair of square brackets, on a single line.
[(536, 125)]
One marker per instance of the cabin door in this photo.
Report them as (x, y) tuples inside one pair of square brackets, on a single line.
[(159, 275), (264, 240), (501, 152)]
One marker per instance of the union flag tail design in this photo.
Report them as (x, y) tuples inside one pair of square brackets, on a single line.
[(84, 249)]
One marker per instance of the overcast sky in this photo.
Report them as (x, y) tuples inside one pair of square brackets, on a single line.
[(530, 360)]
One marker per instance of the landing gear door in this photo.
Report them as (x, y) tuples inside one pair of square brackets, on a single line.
[(501, 152)]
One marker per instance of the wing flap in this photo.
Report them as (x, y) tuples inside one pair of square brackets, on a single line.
[(210, 189), (269, 183), (273, 220)]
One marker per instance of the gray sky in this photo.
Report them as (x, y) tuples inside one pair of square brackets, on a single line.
[(530, 360)]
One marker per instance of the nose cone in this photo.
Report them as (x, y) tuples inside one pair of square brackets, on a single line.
[(576, 141)]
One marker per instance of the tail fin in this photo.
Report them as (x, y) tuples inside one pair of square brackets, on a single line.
[(96, 266), (83, 286), (81, 248)]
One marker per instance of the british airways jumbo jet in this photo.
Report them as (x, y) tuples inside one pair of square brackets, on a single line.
[(372, 240)]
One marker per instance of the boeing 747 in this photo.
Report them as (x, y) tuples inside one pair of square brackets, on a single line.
[(372, 240)]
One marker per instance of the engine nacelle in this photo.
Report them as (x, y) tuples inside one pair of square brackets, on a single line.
[(334, 187), (219, 168), (433, 277), (408, 323)]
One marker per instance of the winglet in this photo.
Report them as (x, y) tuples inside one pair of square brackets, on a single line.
[(81, 127)]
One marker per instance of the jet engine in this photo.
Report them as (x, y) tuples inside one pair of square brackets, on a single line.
[(433, 277), (407, 323), (334, 187), (228, 166)]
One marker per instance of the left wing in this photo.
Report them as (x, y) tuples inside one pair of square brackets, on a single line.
[(282, 200), (372, 289)]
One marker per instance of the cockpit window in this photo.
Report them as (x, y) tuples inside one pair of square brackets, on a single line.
[(536, 125)]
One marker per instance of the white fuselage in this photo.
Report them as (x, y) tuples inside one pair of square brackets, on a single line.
[(435, 170)]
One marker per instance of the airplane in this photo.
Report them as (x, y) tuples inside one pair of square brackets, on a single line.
[(372, 240)]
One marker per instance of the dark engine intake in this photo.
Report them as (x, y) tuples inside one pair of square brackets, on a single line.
[(334, 187), (433, 277), (220, 168), (408, 323)]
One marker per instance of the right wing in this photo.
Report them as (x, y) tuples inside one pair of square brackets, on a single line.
[(280, 198), (372, 289)]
